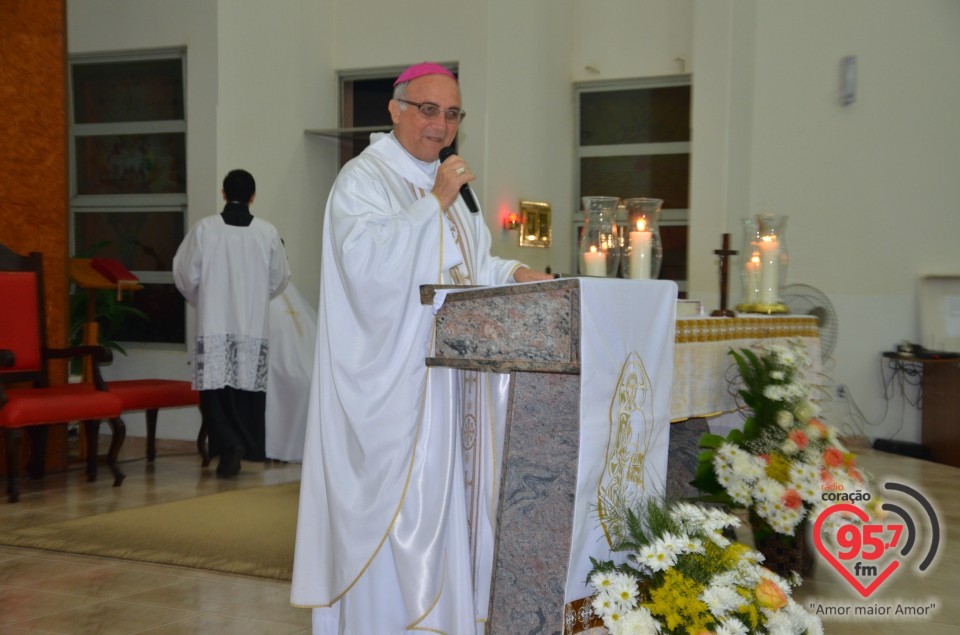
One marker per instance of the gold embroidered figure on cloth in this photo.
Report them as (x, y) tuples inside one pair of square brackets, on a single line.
[(622, 484)]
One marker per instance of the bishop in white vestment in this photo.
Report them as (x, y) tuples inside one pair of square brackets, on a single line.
[(293, 336), (386, 510)]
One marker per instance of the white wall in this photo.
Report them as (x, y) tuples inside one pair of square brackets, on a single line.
[(529, 117), (276, 79), (868, 187), (625, 39)]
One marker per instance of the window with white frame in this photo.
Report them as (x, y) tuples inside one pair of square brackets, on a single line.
[(128, 178), (634, 140)]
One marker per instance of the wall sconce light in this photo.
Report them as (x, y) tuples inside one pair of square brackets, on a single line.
[(534, 224), (511, 222)]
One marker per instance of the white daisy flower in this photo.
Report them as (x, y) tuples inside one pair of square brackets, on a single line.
[(721, 599), (718, 539), (686, 515), (732, 626), (602, 580), (656, 559), (638, 622), (625, 591), (693, 545), (603, 604)]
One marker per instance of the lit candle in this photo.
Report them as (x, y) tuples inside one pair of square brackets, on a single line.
[(752, 283), (641, 244), (769, 274), (595, 262)]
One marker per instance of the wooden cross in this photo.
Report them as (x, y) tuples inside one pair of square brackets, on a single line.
[(724, 253)]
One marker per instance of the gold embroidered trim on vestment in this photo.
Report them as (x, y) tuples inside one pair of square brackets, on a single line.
[(416, 439)]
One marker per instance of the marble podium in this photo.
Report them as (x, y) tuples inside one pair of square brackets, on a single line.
[(534, 333)]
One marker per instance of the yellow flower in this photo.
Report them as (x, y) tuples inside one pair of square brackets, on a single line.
[(677, 602), (729, 557), (778, 468), (769, 594)]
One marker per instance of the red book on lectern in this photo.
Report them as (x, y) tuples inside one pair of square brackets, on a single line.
[(113, 270)]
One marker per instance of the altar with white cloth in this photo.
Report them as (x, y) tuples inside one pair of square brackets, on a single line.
[(704, 369), (591, 362)]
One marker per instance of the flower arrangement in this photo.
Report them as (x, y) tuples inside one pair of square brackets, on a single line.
[(785, 458), (682, 575)]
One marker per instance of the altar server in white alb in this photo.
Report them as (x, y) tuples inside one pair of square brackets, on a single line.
[(229, 266), (398, 493)]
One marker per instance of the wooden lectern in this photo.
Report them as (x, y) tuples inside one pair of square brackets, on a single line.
[(84, 275), (533, 332)]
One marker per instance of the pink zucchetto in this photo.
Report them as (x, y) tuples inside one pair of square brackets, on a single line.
[(421, 69)]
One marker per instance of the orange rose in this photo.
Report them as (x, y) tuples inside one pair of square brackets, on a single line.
[(798, 437), (791, 499), (832, 457), (769, 595)]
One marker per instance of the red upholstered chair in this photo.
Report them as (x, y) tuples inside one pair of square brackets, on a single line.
[(27, 400), (150, 395)]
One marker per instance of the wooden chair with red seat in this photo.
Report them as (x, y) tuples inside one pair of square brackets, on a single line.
[(150, 395), (27, 400)]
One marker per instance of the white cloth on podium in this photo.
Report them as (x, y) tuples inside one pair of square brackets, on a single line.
[(293, 336), (626, 378)]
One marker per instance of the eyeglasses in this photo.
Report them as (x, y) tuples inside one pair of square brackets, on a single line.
[(430, 110)]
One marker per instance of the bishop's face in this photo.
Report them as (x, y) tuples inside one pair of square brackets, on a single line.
[(420, 136)]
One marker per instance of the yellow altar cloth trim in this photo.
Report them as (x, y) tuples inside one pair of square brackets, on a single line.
[(723, 329), (703, 367)]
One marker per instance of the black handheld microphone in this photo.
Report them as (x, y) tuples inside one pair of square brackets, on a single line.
[(465, 192)]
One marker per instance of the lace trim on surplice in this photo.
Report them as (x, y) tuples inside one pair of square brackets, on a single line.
[(232, 360)]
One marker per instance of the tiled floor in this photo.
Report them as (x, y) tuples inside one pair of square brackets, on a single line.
[(46, 592), (43, 592), (907, 587)]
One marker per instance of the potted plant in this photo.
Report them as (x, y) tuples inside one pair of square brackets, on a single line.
[(680, 574), (782, 461)]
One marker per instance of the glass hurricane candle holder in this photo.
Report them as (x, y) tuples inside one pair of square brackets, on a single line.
[(599, 243), (765, 260), (643, 250)]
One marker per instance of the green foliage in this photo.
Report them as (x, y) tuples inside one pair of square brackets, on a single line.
[(109, 314), (755, 375), (709, 440)]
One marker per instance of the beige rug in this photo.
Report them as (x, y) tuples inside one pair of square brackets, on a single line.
[(247, 532)]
